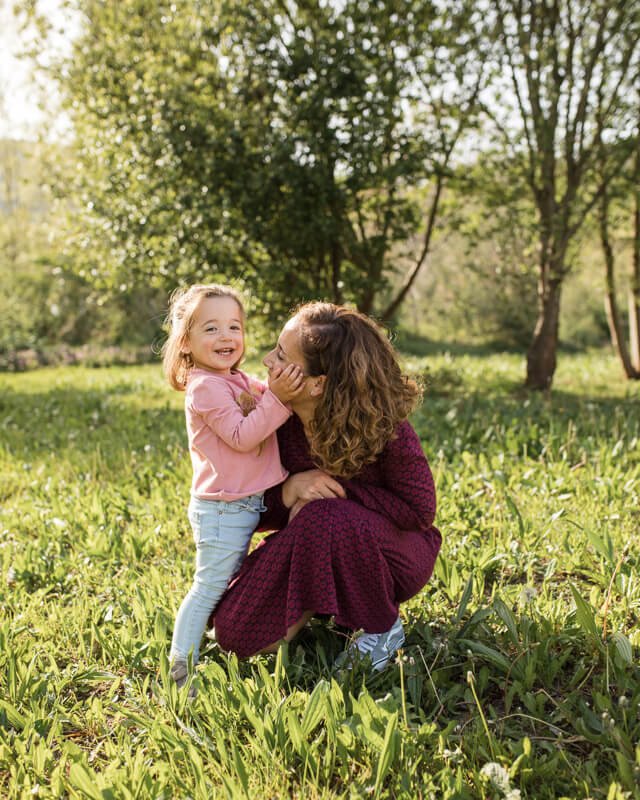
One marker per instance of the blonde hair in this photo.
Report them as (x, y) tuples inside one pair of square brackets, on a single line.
[(183, 305), (365, 394)]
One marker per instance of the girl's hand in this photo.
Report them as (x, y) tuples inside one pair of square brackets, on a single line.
[(313, 484), (286, 383)]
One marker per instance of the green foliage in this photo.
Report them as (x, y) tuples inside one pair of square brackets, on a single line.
[(44, 300), (273, 146), (520, 671)]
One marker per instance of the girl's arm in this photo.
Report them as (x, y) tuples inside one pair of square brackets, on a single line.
[(214, 401), (408, 497)]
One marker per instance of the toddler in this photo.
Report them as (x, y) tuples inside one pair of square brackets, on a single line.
[(231, 423)]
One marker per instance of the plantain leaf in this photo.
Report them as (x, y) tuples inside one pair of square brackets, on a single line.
[(387, 754), (314, 712), (585, 614), (623, 646)]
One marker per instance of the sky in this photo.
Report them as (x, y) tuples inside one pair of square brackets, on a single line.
[(20, 94)]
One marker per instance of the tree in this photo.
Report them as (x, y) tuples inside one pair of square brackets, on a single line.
[(566, 65), (616, 196), (357, 108), (634, 293), (287, 145)]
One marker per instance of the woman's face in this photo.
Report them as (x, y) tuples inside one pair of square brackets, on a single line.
[(287, 350)]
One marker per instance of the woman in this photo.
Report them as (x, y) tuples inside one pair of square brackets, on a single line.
[(354, 519)]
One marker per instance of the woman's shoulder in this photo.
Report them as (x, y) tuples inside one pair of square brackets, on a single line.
[(404, 439), (404, 427), (404, 431), (293, 442)]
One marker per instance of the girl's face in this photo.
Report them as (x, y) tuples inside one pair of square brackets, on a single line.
[(216, 337)]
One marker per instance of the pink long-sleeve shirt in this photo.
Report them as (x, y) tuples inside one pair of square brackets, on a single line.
[(231, 424)]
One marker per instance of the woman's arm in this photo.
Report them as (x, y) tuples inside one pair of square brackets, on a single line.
[(284, 501), (312, 484), (277, 514), (408, 497)]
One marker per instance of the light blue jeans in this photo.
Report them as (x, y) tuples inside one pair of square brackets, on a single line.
[(222, 532)]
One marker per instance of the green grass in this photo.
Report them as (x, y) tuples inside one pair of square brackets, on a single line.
[(521, 652)]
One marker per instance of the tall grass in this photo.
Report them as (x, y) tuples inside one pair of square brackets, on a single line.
[(519, 677)]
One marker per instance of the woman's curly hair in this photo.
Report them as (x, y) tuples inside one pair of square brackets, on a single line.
[(365, 394)]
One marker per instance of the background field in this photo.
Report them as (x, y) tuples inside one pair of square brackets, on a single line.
[(519, 677)]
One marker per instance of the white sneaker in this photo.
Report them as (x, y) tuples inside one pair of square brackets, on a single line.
[(380, 647), (180, 675)]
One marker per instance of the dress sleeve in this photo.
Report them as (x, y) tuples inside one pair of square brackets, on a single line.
[(407, 497), (276, 516), (215, 402)]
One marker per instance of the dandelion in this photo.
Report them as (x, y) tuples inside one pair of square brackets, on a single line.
[(527, 595), (497, 775), (499, 779)]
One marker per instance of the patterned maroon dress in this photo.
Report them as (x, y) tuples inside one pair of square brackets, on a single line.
[(354, 559)]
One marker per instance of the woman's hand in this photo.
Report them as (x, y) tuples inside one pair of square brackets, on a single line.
[(314, 484)]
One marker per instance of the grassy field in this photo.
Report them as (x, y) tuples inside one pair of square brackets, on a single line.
[(519, 677)]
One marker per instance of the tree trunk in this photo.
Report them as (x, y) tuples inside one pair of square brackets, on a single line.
[(367, 296), (390, 311), (634, 326), (613, 319), (610, 302), (616, 333), (634, 292), (541, 358)]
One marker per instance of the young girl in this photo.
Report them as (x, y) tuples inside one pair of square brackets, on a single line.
[(231, 424)]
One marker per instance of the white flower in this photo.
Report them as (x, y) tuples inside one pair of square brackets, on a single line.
[(528, 595), (453, 755), (497, 775)]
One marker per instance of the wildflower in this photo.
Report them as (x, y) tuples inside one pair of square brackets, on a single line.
[(455, 756), (497, 775), (527, 595), (499, 779)]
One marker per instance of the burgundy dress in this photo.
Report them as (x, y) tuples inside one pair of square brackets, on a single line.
[(355, 559)]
